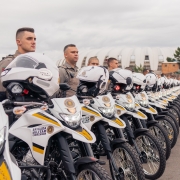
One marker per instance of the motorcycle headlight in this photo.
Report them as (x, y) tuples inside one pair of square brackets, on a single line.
[(73, 121), (107, 111), (2, 139), (144, 103), (129, 106)]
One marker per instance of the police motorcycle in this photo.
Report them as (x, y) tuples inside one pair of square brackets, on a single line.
[(168, 96), (8, 165), (173, 102), (146, 145), (142, 103), (100, 116), (164, 117), (38, 136)]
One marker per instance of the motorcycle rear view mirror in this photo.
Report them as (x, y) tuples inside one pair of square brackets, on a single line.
[(64, 86)]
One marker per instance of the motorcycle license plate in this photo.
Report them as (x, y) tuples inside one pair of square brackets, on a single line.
[(4, 172)]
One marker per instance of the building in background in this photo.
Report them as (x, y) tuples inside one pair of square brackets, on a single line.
[(149, 57), (170, 67)]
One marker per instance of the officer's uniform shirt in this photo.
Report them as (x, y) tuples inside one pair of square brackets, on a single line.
[(67, 74), (3, 64)]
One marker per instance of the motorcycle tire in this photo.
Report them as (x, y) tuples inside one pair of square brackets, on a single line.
[(128, 163), (176, 105), (174, 114), (86, 170), (170, 128), (159, 132), (151, 152)]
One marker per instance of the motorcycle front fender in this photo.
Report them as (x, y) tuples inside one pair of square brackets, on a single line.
[(157, 117), (149, 110), (137, 114), (157, 104), (140, 130), (116, 122), (82, 134), (84, 160), (118, 141), (149, 123)]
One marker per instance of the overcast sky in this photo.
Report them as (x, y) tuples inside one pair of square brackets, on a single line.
[(90, 23)]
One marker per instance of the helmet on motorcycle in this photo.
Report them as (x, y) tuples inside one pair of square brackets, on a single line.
[(175, 82), (93, 80), (171, 82), (166, 83), (121, 79), (139, 82), (162, 79), (31, 73), (151, 81)]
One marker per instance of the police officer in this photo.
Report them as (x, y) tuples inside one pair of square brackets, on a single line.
[(112, 63), (68, 71), (93, 61), (26, 42)]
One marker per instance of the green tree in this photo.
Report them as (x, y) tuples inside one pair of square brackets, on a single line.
[(177, 54), (138, 69), (170, 59)]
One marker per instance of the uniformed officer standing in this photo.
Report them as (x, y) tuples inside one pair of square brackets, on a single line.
[(112, 63), (68, 71), (26, 42)]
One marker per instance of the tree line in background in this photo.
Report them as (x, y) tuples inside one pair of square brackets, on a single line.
[(176, 56)]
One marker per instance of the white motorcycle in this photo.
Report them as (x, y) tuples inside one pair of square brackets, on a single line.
[(43, 124), (154, 123), (9, 169)]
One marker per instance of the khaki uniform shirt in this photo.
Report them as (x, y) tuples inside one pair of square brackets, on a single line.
[(67, 74), (4, 63)]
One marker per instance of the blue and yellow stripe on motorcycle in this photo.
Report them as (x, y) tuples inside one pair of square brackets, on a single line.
[(46, 118), (152, 110), (4, 171), (85, 134), (119, 122), (141, 114), (165, 101), (37, 148), (120, 107), (137, 105), (90, 111)]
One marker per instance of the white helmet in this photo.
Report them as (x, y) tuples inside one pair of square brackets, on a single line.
[(167, 83), (162, 79), (139, 82), (121, 78), (31, 74), (176, 82), (93, 80), (151, 79)]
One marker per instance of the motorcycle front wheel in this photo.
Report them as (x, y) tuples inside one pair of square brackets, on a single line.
[(152, 154), (92, 171), (175, 111), (128, 163), (160, 133), (170, 127)]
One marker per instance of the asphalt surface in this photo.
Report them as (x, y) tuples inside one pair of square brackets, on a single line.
[(172, 171)]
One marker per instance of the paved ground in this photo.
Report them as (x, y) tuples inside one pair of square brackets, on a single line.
[(172, 171)]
